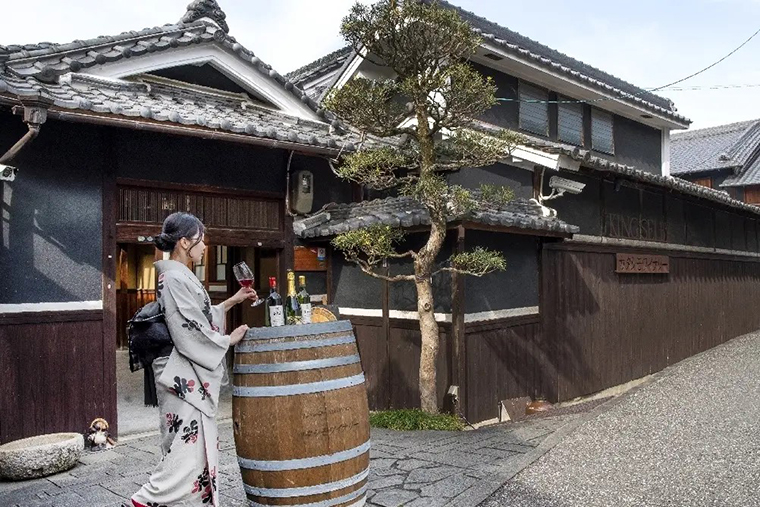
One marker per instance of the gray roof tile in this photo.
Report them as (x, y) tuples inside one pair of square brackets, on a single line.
[(164, 102), (750, 175), (321, 66), (47, 62), (524, 47), (714, 148), (587, 159), (407, 212)]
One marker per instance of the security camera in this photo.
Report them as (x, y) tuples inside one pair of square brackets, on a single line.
[(7, 173), (562, 185)]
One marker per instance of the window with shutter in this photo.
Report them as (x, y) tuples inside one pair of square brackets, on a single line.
[(570, 121), (602, 132), (534, 109)]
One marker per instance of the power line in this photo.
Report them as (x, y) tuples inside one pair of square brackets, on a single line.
[(711, 65), (632, 95), (712, 87)]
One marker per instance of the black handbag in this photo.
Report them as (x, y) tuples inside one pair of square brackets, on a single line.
[(148, 339)]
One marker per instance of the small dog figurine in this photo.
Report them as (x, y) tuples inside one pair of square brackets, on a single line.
[(98, 437)]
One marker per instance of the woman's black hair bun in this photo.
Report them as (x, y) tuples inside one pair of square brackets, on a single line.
[(164, 242)]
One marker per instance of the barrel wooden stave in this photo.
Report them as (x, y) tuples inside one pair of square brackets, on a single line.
[(324, 426), (330, 424), (297, 377)]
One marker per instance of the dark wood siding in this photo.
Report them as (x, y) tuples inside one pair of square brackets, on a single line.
[(147, 205), (506, 358), (612, 328), (53, 388), (391, 363), (597, 329)]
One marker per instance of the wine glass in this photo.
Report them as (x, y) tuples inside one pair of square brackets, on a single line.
[(244, 277)]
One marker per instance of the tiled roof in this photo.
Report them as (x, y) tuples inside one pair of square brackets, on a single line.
[(319, 68), (587, 159), (553, 60), (58, 72), (750, 175), (406, 212), (166, 103), (46, 62), (538, 54), (721, 147)]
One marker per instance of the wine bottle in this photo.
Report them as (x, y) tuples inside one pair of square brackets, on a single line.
[(304, 301), (274, 312), (292, 312)]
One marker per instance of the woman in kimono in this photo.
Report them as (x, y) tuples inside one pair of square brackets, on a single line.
[(189, 379)]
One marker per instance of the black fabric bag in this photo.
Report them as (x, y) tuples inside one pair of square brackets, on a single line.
[(148, 339)]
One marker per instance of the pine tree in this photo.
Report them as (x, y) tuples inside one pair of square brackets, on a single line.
[(426, 112)]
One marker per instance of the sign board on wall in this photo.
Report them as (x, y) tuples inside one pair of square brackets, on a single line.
[(309, 259), (635, 227), (638, 263)]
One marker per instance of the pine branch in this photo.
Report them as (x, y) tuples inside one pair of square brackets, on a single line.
[(367, 269)]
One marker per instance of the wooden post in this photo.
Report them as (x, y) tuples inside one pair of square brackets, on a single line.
[(458, 358), (386, 330), (110, 206), (330, 294)]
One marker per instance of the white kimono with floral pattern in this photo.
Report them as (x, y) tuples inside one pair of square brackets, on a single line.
[(187, 383)]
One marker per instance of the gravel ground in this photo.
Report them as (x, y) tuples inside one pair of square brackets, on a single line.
[(691, 438)]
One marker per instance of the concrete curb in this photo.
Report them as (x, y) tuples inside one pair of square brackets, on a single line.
[(481, 490)]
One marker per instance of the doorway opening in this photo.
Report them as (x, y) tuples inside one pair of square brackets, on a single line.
[(136, 287)]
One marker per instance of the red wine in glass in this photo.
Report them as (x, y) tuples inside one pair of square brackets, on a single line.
[(244, 276)]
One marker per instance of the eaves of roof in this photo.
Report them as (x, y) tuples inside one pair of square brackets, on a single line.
[(47, 62), (320, 67), (730, 146), (545, 57), (139, 105), (589, 160), (405, 212)]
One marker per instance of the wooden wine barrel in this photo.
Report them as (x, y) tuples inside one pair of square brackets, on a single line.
[(301, 421)]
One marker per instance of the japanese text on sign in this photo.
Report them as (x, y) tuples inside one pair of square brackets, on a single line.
[(635, 263)]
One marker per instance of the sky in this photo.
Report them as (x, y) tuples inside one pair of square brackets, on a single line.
[(648, 43)]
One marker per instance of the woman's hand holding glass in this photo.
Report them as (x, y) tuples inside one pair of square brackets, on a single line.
[(244, 276)]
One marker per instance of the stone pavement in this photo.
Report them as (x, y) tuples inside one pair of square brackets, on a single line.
[(413, 469), (691, 437)]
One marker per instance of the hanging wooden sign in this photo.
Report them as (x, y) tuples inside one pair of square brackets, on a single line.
[(641, 263)]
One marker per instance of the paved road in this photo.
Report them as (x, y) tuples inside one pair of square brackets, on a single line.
[(427, 468), (690, 438)]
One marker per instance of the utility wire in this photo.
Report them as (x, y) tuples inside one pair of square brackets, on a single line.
[(712, 87), (709, 66), (632, 95)]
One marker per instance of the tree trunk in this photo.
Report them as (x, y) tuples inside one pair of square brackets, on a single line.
[(428, 346), (423, 269)]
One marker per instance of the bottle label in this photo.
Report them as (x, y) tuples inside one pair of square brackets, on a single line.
[(276, 316), (306, 313)]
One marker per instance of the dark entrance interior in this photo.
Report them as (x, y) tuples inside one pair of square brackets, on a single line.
[(136, 287)]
